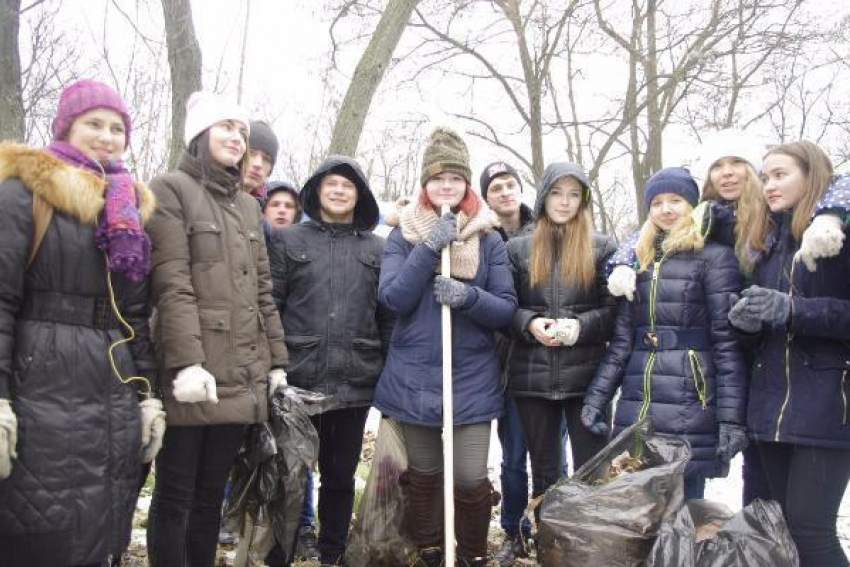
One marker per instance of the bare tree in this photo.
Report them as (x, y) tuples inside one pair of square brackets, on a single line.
[(11, 102), (367, 76), (184, 59)]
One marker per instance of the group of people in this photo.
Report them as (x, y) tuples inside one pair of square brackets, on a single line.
[(145, 324)]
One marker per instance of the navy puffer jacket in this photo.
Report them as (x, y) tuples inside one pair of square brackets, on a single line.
[(690, 374), (799, 391)]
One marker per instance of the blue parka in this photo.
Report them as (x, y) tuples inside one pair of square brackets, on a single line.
[(675, 356), (799, 391), (410, 387)]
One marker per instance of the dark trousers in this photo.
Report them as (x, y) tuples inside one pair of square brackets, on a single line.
[(340, 441), (755, 479), (809, 483), (541, 422), (185, 513)]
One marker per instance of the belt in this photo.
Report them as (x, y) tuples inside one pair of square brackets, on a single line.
[(671, 339), (69, 309)]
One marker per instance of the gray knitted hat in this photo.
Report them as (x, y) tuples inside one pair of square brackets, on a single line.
[(262, 138)]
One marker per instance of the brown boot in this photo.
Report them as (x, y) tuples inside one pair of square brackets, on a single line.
[(472, 521), (424, 514)]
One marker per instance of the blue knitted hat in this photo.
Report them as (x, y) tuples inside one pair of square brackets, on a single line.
[(676, 180)]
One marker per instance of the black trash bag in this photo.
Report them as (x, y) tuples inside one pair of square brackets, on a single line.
[(592, 519), (272, 488), (708, 534), (379, 536)]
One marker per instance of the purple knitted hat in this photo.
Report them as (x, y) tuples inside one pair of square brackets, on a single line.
[(84, 95)]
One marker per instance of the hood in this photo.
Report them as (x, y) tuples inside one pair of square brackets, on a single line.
[(555, 171), (366, 212)]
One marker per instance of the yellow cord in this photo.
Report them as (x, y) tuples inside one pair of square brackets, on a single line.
[(147, 391)]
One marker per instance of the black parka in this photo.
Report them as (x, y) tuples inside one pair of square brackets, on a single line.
[(325, 279), (71, 494)]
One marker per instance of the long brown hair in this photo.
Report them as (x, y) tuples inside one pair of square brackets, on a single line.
[(817, 167), (570, 244), (751, 217)]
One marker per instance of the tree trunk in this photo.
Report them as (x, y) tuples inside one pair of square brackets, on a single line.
[(367, 76), (11, 101), (184, 59)]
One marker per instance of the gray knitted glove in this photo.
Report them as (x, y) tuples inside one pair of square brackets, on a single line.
[(731, 441), (594, 420), (773, 307), (443, 233), (741, 318), (451, 292)]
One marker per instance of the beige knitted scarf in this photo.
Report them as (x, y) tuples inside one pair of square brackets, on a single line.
[(417, 221)]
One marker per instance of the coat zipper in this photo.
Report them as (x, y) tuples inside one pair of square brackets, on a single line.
[(789, 336), (698, 376), (650, 361), (556, 312), (844, 397)]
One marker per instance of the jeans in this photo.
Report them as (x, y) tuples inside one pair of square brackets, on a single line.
[(185, 513), (542, 424), (809, 483), (340, 440), (307, 513), (694, 487)]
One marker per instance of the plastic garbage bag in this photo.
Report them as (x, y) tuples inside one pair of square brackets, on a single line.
[(269, 490), (593, 519), (378, 537), (708, 534)]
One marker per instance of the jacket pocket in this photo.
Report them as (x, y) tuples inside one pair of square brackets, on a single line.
[(373, 268), (255, 240), (215, 337), (366, 360), (698, 376), (205, 241), (303, 359)]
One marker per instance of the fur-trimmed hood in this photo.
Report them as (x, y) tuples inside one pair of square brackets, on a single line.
[(68, 189)]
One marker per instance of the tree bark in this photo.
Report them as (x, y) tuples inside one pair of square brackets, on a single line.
[(184, 59), (11, 100), (367, 76)]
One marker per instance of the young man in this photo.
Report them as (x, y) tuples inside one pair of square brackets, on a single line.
[(262, 154), (280, 207), (325, 274)]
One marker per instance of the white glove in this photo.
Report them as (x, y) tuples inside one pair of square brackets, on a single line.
[(153, 427), (823, 239), (194, 384), (622, 282), (8, 438), (565, 330), (277, 379)]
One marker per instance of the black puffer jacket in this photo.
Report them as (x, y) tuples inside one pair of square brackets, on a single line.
[(325, 281), (72, 491), (557, 373)]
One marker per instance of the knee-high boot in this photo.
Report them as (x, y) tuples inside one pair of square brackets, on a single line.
[(424, 515), (473, 506)]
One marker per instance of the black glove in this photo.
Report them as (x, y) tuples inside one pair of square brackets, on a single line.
[(773, 307), (741, 318), (451, 292), (732, 440), (594, 420), (443, 233)]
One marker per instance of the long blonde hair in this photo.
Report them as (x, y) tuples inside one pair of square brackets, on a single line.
[(683, 237), (570, 244), (751, 217)]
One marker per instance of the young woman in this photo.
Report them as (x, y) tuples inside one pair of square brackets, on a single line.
[(76, 362), (480, 292), (799, 321), (673, 351), (565, 317), (218, 332)]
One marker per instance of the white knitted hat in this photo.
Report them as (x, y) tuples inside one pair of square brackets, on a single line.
[(204, 109), (728, 143)]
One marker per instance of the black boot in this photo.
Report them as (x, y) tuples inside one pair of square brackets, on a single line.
[(513, 547), (472, 522), (431, 557)]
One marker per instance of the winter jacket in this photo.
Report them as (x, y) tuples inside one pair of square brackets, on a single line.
[(557, 373), (674, 355), (800, 386), (836, 200), (212, 289), (411, 385), (326, 289), (71, 494)]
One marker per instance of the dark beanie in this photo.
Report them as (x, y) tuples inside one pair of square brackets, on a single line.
[(262, 138), (445, 152), (493, 171), (676, 180)]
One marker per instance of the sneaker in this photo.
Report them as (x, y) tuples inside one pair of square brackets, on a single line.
[(307, 545), (226, 537), (512, 548)]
